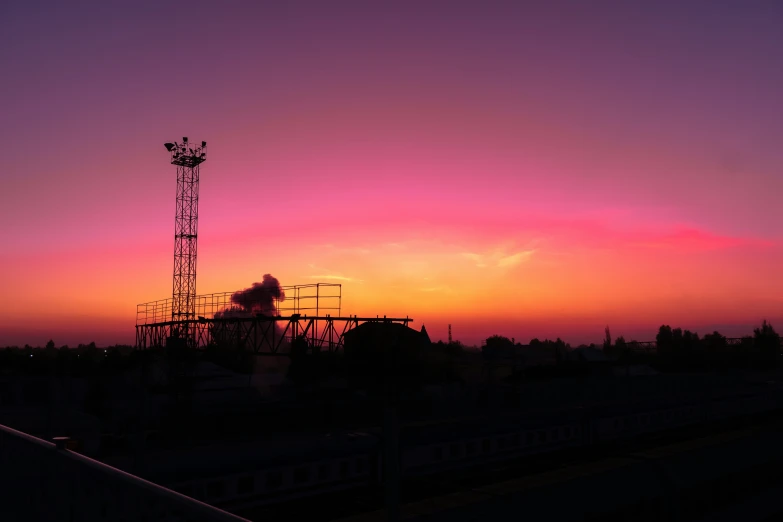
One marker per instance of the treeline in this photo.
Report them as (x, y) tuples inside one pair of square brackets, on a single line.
[(498, 346), (682, 349), (674, 349)]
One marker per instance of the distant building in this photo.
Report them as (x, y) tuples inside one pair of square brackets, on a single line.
[(375, 336), (425, 335), (376, 351)]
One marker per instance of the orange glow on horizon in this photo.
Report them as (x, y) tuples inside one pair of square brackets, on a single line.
[(510, 168)]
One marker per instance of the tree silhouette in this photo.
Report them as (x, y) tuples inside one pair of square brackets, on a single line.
[(690, 339), (664, 336), (715, 349), (495, 346), (766, 345), (677, 338), (715, 342), (664, 342), (454, 348), (560, 348), (620, 346)]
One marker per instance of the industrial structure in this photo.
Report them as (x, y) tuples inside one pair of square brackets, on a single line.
[(266, 323), (183, 309)]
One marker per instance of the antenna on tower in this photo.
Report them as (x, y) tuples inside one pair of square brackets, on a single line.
[(449, 334)]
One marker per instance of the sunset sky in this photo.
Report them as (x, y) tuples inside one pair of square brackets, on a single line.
[(526, 170)]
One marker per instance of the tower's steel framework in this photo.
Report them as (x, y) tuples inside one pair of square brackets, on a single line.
[(187, 159)]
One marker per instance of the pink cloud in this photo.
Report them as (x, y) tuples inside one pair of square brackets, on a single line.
[(692, 239)]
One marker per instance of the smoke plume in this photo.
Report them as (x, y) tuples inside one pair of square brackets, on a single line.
[(260, 298)]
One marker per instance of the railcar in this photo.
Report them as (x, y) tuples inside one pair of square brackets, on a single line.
[(356, 460), (290, 473), (470, 449)]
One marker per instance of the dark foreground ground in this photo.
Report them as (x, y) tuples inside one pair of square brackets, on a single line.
[(446, 492)]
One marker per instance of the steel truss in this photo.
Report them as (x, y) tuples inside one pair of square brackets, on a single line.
[(185, 244), (187, 159), (263, 335)]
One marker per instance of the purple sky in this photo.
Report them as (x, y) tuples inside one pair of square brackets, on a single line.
[(551, 132)]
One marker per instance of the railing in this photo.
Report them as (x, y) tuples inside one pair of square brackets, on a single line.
[(313, 299), (42, 481)]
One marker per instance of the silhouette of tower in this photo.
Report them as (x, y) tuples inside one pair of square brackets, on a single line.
[(183, 307), (449, 334)]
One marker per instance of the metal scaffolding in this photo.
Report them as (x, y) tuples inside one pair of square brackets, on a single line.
[(309, 313), (263, 335), (310, 299)]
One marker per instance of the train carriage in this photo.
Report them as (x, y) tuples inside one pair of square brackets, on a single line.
[(319, 465)]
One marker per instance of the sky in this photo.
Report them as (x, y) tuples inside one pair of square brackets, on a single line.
[(528, 169)]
